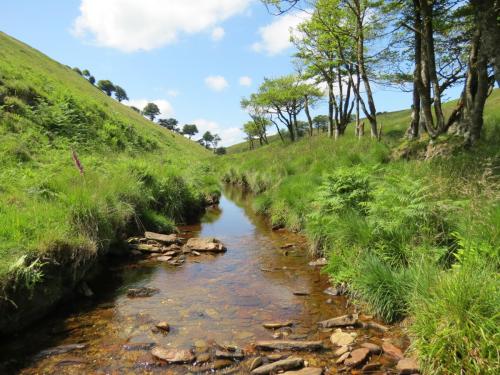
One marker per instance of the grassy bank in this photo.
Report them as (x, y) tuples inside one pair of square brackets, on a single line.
[(54, 220), (416, 240)]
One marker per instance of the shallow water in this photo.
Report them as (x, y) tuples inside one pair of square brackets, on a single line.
[(217, 298)]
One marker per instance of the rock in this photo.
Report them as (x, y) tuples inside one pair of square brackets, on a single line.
[(290, 363), (142, 292), (341, 351), (341, 321), (306, 371), (340, 338), (173, 355), (195, 253), (138, 346), (277, 325), (287, 246), (373, 325), (357, 358), (163, 258), (163, 326), (205, 244), (238, 354), (318, 262), (222, 363), (371, 367), (275, 357), (392, 350), (301, 293), (408, 366), (201, 346), (289, 345), (202, 358), (332, 291), (59, 350), (145, 248), (166, 239), (373, 348), (253, 363), (342, 358)]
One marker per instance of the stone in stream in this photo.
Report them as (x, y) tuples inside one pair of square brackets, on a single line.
[(163, 326), (163, 258), (392, 350), (62, 349), (289, 345), (373, 348), (357, 358), (301, 293), (290, 363), (166, 239), (341, 321), (277, 325), (318, 262), (202, 358), (287, 246), (253, 363), (306, 371), (371, 367), (408, 366), (142, 292), (205, 245), (341, 351), (138, 346), (342, 358), (145, 248), (173, 355), (274, 357), (238, 354), (374, 325), (340, 338)]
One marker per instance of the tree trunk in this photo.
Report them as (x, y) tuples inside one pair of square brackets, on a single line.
[(413, 131), (308, 114), (330, 109)]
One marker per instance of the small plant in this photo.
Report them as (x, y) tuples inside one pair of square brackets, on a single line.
[(27, 273)]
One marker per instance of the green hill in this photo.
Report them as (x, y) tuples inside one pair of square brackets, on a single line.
[(416, 239), (136, 175)]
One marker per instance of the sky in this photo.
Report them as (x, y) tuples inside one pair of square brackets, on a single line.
[(195, 58)]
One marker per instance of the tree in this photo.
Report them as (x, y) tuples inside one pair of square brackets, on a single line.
[(135, 109), (106, 86), (86, 73), (77, 71), (120, 94), (190, 130), (151, 110), (216, 141), (321, 123), (207, 139), (220, 151), (91, 79), (170, 123), (258, 114)]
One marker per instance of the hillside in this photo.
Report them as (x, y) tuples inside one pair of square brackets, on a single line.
[(417, 241), (53, 217)]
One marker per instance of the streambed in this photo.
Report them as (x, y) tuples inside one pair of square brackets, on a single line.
[(223, 299)]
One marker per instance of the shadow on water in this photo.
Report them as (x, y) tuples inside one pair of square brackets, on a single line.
[(218, 298)]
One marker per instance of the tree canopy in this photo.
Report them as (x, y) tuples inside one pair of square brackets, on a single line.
[(107, 86), (151, 111)]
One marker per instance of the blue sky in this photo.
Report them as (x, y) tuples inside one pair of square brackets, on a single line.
[(196, 58)]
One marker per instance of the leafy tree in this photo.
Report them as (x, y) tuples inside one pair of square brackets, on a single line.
[(190, 130), (220, 151), (106, 86), (258, 114), (91, 79), (77, 71), (151, 110), (86, 73), (321, 123), (215, 141), (170, 123), (120, 94)]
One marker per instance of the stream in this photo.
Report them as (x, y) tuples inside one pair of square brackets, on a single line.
[(223, 299)]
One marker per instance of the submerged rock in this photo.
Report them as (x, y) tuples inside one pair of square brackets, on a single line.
[(357, 358), (138, 346), (340, 338), (289, 345), (238, 354), (142, 292), (62, 349), (173, 355), (341, 321), (205, 244), (277, 325), (163, 326), (373, 348), (166, 239), (283, 365), (392, 350)]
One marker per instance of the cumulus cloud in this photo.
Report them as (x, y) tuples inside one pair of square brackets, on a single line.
[(245, 81), (275, 37), (165, 107), (133, 25), (229, 136), (216, 83), (218, 33)]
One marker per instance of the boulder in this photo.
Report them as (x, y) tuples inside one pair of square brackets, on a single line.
[(290, 363), (340, 338), (289, 345), (173, 355), (408, 366), (166, 239), (357, 358), (341, 321), (392, 350), (205, 245)]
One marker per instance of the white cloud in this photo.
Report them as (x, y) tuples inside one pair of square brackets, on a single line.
[(229, 136), (133, 25), (245, 81), (275, 37), (216, 83), (165, 107), (173, 93), (218, 33)]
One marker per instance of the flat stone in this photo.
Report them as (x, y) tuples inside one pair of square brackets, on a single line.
[(167, 239), (138, 346), (289, 345), (145, 248), (340, 321), (290, 363), (340, 351), (202, 358), (408, 366), (306, 371), (318, 262), (371, 367), (164, 258), (342, 358), (340, 338), (238, 354), (205, 245), (357, 358), (373, 348), (173, 355), (392, 350), (277, 325), (275, 357), (253, 363)]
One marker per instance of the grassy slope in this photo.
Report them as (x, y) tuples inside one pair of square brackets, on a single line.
[(135, 171), (416, 238)]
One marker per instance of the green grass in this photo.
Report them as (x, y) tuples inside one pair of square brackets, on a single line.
[(136, 174), (413, 238)]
